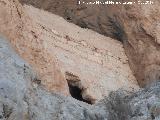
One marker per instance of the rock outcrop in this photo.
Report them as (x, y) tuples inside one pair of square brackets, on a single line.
[(64, 54), (44, 60), (23, 98), (143, 105), (25, 37), (136, 25), (99, 62)]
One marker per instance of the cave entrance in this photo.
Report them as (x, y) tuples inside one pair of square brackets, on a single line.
[(74, 88), (76, 93)]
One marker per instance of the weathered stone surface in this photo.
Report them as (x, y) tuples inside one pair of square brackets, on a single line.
[(54, 47), (14, 77), (26, 38), (143, 105), (99, 62), (137, 26), (21, 98), (58, 55), (142, 46)]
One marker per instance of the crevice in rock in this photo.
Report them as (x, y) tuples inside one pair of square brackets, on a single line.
[(6, 111), (82, 24), (152, 116), (117, 29), (75, 88)]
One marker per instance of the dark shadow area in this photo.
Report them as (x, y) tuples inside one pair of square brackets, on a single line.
[(117, 29), (78, 14), (76, 93), (75, 88)]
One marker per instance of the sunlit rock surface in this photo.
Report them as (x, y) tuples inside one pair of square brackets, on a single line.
[(136, 25), (23, 98), (55, 47)]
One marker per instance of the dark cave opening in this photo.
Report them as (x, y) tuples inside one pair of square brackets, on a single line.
[(76, 93), (68, 18), (75, 87)]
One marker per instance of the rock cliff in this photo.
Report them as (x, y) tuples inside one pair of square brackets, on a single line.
[(23, 98), (136, 25), (60, 51), (51, 69), (24, 36), (99, 62)]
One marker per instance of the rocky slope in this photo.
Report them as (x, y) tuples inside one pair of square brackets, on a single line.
[(98, 62), (24, 34), (66, 56), (136, 25), (23, 98), (44, 60)]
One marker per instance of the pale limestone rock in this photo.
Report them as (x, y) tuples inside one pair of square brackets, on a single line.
[(99, 62), (53, 47), (20, 99), (25, 37), (136, 25)]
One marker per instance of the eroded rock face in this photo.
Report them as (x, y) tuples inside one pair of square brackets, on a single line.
[(22, 98), (99, 62), (25, 36), (14, 79), (142, 45), (140, 38), (137, 26), (143, 105), (54, 47)]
